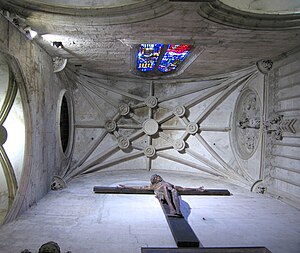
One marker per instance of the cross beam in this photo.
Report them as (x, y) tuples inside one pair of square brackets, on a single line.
[(183, 234), (118, 190)]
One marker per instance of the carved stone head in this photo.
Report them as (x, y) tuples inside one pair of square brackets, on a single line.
[(49, 247)]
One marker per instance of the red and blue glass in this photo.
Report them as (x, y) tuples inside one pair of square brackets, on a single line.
[(174, 55), (149, 57)]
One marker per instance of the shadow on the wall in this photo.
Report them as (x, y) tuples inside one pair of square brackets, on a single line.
[(185, 208)]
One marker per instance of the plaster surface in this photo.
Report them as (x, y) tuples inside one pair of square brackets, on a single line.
[(83, 222)]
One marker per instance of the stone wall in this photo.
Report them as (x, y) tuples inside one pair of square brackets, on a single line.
[(282, 170), (39, 88)]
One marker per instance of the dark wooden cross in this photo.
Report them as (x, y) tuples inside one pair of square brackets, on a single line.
[(182, 232)]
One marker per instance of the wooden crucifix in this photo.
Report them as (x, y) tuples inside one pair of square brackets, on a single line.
[(167, 194)]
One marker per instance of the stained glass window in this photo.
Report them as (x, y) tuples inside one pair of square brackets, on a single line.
[(147, 56), (174, 55), (161, 57)]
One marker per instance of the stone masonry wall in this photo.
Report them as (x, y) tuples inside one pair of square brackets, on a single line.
[(282, 171), (40, 89)]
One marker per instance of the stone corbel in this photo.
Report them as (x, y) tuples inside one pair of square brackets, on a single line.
[(264, 66), (58, 183), (59, 64), (259, 187)]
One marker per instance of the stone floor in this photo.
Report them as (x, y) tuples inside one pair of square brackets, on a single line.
[(83, 222)]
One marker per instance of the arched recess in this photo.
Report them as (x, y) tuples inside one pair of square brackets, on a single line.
[(64, 132), (219, 12), (98, 13), (246, 134), (265, 6), (65, 122), (14, 119)]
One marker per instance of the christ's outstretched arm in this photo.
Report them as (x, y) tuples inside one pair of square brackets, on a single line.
[(143, 187), (179, 188)]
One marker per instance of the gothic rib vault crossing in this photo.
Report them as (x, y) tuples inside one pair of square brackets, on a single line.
[(141, 125)]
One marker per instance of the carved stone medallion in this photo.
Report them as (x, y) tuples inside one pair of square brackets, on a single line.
[(151, 101), (150, 127), (149, 151), (110, 126), (179, 145), (179, 110), (124, 109), (247, 124), (123, 142), (192, 128)]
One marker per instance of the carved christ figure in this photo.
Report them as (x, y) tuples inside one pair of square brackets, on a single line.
[(165, 192)]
